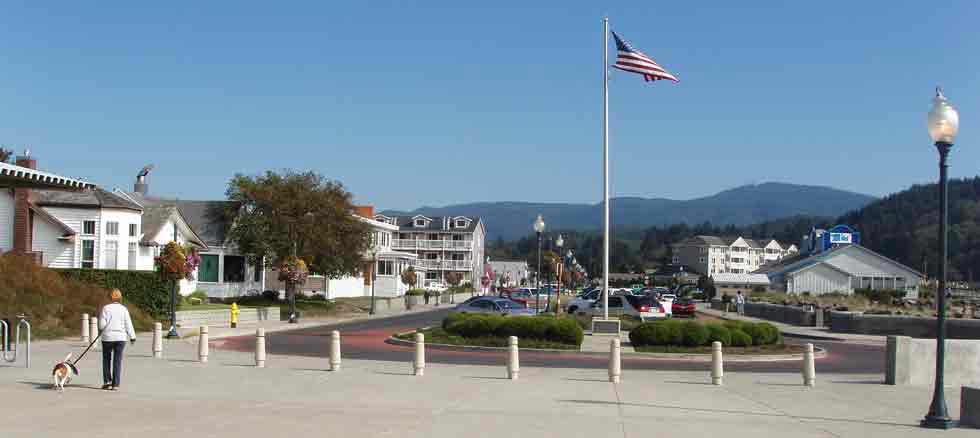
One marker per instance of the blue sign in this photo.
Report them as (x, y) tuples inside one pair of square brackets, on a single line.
[(839, 235)]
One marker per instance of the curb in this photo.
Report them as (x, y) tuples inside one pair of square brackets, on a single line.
[(818, 352), (787, 334)]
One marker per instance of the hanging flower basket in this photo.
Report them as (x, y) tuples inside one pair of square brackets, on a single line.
[(293, 270), (177, 263)]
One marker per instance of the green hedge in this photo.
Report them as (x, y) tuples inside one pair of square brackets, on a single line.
[(541, 328), (695, 334), (145, 289)]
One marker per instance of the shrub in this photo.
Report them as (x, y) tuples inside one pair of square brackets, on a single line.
[(196, 297), (270, 295), (145, 289), (720, 333), (740, 338), (667, 332), (695, 334), (758, 288), (415, 293), (563, 330)]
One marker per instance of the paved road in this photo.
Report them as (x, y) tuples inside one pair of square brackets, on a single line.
[(365, 340)]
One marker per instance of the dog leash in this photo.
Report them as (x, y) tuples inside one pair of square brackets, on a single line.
[(96, 338)]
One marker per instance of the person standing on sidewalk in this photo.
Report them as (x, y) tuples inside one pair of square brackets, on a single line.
[(740, 303), (116, 327)]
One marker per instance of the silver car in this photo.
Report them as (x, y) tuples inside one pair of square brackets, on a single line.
[(492, 305)]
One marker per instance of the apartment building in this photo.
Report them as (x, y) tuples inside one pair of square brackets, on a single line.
[(709, 255), (443, 244)]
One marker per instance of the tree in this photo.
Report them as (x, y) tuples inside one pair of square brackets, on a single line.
[(280, 215), (5, 155), (454, 278), (409, 277)]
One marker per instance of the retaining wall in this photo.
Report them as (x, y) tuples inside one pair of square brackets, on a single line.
[(222, 317), (911, 361), (914, 326), (794, 315)]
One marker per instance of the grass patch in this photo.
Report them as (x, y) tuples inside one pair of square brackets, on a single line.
[(754, 350), (210, 306), (306, 307), (440, 336)]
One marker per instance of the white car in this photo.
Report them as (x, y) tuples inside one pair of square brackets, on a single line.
[(435, 286), (583, 301), (644, 308)]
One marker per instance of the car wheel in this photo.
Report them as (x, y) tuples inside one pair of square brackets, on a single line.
[(571, 310)]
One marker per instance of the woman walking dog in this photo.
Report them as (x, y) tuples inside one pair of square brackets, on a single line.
[(116, 327)]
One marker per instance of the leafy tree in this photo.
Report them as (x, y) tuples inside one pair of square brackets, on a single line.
[(275, 215), (409, 277), (454, 278)]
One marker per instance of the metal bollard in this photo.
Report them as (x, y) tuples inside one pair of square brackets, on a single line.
[(334, 351), (513, 359), (93, 323), (85, 329), (809, 371), (615, 361), (157, 340), (419, 364), (717, 367), (202, 345), (260, 347)]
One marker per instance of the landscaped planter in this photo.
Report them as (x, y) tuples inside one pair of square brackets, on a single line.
[(412, 301)]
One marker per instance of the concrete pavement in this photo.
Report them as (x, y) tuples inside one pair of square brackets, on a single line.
[(294, 396)]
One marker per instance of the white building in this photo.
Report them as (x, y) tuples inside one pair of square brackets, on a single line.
[(710, 255), (510, 273), (842, 269), (443, 244)]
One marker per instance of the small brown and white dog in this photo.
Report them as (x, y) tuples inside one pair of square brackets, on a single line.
[(62, 372)]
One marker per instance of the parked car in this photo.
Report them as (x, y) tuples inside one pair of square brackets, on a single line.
[(684, 307), (583, 300), (520, 296), (645, 308), (492, 305)]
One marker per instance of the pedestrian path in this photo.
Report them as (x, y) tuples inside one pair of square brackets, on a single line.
[(820, 333)]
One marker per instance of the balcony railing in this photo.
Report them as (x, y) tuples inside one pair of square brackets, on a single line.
[(454, 265), (459, 245)]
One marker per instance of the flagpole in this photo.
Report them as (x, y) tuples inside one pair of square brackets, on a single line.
[(605, 167)]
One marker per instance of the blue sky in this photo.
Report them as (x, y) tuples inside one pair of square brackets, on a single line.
[(412, 105)]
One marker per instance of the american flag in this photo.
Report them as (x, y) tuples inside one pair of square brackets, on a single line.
[(632, 60)]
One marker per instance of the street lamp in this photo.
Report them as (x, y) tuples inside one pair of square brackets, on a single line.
[(943, 123), (559, 243), (374, 276), (538, 228)]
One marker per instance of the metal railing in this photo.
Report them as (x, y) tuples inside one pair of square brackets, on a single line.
[(461, 265), (432, 244), (5, 333)]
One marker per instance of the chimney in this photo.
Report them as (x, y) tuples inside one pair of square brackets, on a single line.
[(141, 186), (366, 211), (23, 229)]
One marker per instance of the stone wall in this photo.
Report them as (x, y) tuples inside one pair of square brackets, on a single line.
[(918, 327), (794, 315), (910, 361), (222, 317)]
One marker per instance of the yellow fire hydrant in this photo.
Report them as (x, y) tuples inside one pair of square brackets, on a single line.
[(234, 315)]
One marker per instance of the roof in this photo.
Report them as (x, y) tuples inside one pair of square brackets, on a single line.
[(777, 265), (673, 269), (705, 240), (12, 175), (405, 223), (753, 243), (205, 218), (740, 278), (68, 231), (796, 263), (90, 198)]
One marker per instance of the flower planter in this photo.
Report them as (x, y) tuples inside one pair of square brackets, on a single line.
[(412, 301)]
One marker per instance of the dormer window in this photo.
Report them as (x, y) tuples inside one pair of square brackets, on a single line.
[(419, 222), (460, 223)]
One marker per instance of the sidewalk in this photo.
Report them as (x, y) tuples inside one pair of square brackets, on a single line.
[(296, 397), (819, 333)]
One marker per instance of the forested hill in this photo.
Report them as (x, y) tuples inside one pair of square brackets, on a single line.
[(905, 226)]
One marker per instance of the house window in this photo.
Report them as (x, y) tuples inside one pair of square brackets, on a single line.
[(111, 254), (700, 259), (134, 230), (207, 271), (460, 223), (234, 269), (419, 222), (431, 275), (88, 227), (112, 228), (386, 267), (257, 275), (132, 254), (88, 251)]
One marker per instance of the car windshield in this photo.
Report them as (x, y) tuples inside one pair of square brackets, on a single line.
[(504, 304)]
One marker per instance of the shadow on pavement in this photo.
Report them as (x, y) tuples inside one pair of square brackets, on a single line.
[(687, 383), (48, 387), (389, 373), (736, 412), (485, 377), (586, 380)]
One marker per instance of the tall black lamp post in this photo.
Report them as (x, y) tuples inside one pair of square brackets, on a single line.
[(374, 276), (943, 122), (538, 228)]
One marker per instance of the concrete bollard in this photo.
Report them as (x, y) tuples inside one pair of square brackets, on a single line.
[(260, 347), (93, 329), (157, 340), (419, 364), (615, 360), (513, 359), (85, 328), (202, 345), (334, 351), (809, 371), (717, 367)]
